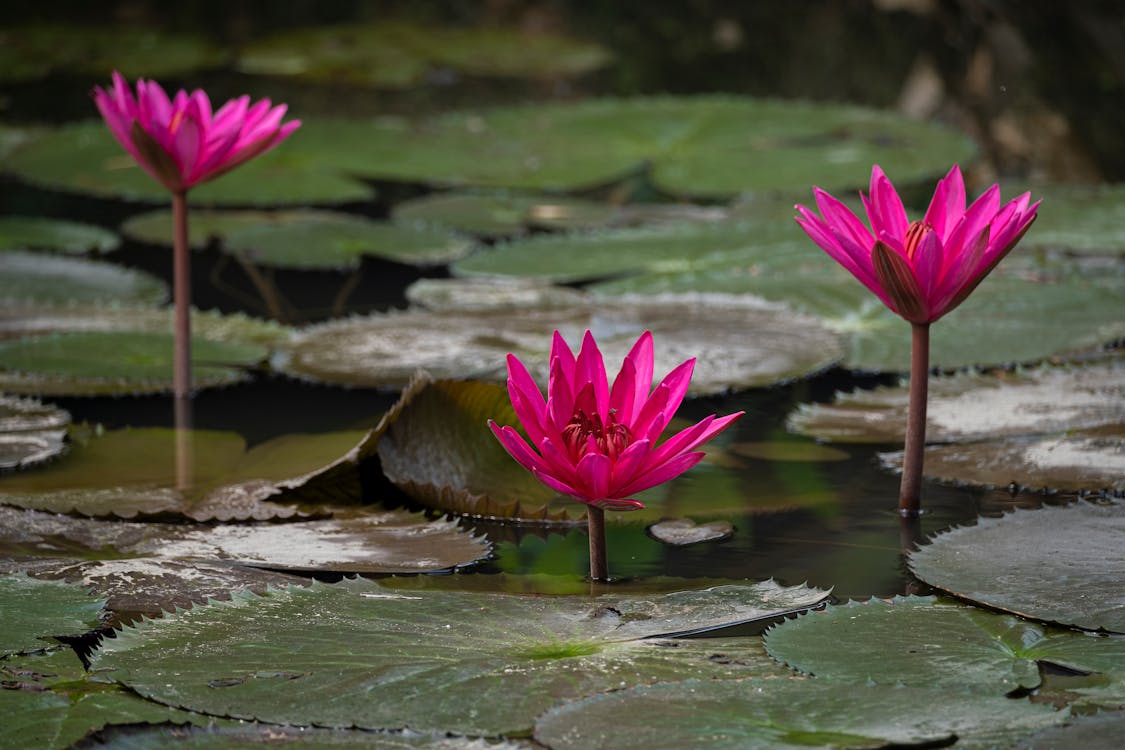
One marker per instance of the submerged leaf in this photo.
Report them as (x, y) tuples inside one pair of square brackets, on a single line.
[(487, 664), (680, 532), (1060, 564)]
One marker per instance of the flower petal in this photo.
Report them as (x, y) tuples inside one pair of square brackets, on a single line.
[(897, 277), (948, 204), (589, 368), (884, 207), (660, 474), (594, 472), (516, 446)]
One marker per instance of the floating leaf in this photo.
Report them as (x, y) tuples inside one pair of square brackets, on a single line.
[(1084, 219), (1101, 732), (767, 714), (223, 738), (59, 280), (1060, 564), (105, 363), (143, 471), (35, 612), (486, 664), (503, 214), (680, 532), (919, 641), (967, 407), (85, 158), (1082, 460), (306, 239), (739, 343), (34, 51), (50, 702), (397, 55), (59, 235), (475, 295), (31, 432)]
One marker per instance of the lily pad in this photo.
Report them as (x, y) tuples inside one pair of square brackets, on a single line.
[(763, 714), (920, 641), (31, 433), (681, 532), (201, 475), (385, 350), (50, 702), (28, 52), (1101, 732), (1060, 564), (475, 295), (307, 239), (970, 406), (85, 158), (59, 280), (35, 612), (486, 664), (1084, 219), (1083, 460), (397, 55), (94, 363), (59, 235), (503, 214), (223, 738)]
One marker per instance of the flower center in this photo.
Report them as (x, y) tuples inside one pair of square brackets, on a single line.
[(915, 233), (586, 432)]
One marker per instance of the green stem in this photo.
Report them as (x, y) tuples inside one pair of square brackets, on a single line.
[(181, 296), (595, 524), (910, 492)]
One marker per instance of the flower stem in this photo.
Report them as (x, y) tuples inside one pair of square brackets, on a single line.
[(910, 492), (595, 522), (181, 295)]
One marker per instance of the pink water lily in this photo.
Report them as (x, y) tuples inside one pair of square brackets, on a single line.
[(179, 141), (600, 443), (922, 269)]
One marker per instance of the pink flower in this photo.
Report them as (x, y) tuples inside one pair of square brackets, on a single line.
[(598, 443), (180, 142), (922, 269)]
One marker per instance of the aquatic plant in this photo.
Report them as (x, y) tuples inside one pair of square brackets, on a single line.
[(921, 270), (599, 443)]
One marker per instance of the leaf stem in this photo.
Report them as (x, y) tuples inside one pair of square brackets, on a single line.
[(181, 296), (595, 523), (910, 492)]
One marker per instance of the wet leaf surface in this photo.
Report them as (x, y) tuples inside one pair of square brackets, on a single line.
[(1060, 564), (385, 350), (399, 55), (58, 235), (968, 407), (681, 532), (780, 713), (1102, 732), (503, 214), (1078, 461), (31, 432), (38, 278), (1084, 219), (35, 612), (476, 295), (921, 641), (306, 239), (201, 475), (487, 664)]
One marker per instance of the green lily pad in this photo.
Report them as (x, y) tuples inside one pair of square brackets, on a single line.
[(503, 214), (1101, 732), (971, 406), (224, 738), (104, 363), (764, 714), (35, 612), (31, 433), (50, 702), (59, 280), (307, 239), (28, 52), (1083, 460), (680, 532), (85, 158), (486, 664), (200, 474), (1084, 219), (397, 55), (476, 295), (385, 350), (919, 641), (59, 235), (1060, 564)]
